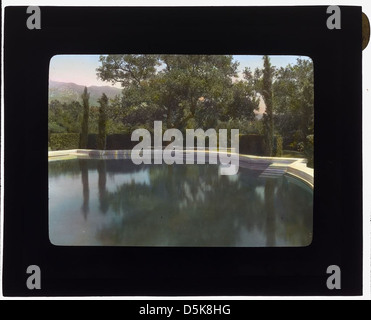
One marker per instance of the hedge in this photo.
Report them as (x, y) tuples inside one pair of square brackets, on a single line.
[(120, 142), (252, 144), (113, 142), (64, 141), (92, 141)]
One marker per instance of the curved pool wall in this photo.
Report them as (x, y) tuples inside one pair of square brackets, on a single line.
[(270, 166)]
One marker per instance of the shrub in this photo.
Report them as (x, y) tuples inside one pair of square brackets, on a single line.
[(309, 150), (120, 142), (113, 142), (278, 146), (54, 127), (92, 141), (300, 146), (64, 141), (252, 144)]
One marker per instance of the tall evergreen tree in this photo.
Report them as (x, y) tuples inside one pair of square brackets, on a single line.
[(102, 122), (85, 119), (267, 94)]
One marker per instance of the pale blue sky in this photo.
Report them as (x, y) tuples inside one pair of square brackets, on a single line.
[(81, 69)]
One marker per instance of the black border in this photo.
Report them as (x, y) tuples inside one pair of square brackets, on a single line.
[(98, 271)]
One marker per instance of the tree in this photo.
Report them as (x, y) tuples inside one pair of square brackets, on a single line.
[(64, 117), (102, 122), (198, 89), (244, 101), (128, 69), (267, 93), (54, 116), (288, 94), (262, 81), (181, 90), (134, 73), (85, 119), (294, 106)]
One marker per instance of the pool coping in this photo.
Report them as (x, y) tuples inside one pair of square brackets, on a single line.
[(296, 167)]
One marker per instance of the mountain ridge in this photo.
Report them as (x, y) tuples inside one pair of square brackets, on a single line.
[(67, 92)]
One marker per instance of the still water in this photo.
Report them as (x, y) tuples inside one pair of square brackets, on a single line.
[(116, 203)]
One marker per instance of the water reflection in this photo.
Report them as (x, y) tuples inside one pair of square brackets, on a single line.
[(85, 187), (102, 180), (179, 205), (270, 231)]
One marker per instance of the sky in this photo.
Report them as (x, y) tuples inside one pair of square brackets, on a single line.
[(81, 69)]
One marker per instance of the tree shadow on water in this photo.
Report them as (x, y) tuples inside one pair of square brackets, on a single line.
[(85, 187)]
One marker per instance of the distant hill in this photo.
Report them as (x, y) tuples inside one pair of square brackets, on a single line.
[(68, 92)]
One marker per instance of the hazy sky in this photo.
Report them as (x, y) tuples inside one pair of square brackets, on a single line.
[(81, 69)]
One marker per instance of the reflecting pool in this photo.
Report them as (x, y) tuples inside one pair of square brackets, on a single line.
[(116, 203)]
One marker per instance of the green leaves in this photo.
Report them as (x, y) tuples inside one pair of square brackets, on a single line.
[(294, 104), (64, 117), (178, 89), (195, 91), (85, 119), (288, 95), (127, 69), (102, 122)]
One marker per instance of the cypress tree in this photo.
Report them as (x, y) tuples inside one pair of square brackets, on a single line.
[(85, 119), (268, 97), (102, 122)]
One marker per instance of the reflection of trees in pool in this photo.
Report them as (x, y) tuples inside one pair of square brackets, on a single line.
[(192, 205), (85, 187), (182, 205), (270, 231), (294, 205), (64, 167), (102, 180)]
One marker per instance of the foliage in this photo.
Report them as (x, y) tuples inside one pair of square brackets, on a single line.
[(102, 124), (64, 141), (267, 94), (294, 103), (92, 141), (252, 144), (183, 91), (64, 117), (288, 94), (113, 141), (93, 119), (196, 91), (278, 146), (244, 102), (309, 150), (262, 81), (85, 119), (129, 69)]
